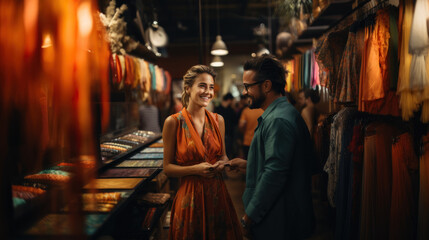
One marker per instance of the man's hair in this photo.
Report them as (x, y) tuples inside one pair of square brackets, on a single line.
[(268, 68), (313, 94), (227, 97)]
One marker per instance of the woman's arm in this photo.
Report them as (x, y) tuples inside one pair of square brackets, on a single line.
[(170, 168)]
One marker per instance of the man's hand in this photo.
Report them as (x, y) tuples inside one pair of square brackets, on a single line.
[(246, 223), (237, 165)]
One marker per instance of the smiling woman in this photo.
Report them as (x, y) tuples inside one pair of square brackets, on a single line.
[(194, 150), (190, 77)]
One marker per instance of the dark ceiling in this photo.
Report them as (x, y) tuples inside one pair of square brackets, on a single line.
[(180, 19)]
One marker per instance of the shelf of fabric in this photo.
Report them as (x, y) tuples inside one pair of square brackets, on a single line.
[(129, 153), (99, 217), (123, 208)]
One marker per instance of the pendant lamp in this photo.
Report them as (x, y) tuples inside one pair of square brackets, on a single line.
[(216, 62), (219, 47)]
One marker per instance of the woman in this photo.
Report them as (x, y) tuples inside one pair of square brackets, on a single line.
[(309, 113), (194, 150)]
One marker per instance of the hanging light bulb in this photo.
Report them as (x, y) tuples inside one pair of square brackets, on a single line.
[(219, 47), (262, 51), (216, 62)]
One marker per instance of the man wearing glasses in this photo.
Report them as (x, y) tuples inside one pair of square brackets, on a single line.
[(281, 160)]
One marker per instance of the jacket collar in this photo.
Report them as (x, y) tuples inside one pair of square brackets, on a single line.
[(271, 107)]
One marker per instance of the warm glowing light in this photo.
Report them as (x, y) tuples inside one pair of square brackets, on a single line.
[(47, 41), (31, 8), (84, 18)]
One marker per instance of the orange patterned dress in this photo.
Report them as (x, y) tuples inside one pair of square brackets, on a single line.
[(202, 208)]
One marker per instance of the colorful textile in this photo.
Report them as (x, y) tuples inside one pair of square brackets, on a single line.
[(423, 220), (368, 189), (127, 172), (403, 224), (168, 82), (153, 76), (332, 164), (376, 56), (159, 79), (419, 46), (329, 54), (408, 101), (202, 208), (141, 163), (315, 80), (347, 86)]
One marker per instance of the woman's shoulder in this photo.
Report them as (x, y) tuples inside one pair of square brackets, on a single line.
[(177, 116), (174, 119), (217, 117)]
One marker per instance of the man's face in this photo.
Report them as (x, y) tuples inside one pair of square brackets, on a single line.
[(255, 97), (301, 99)]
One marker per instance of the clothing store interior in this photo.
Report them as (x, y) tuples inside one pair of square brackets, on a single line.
[(87, 85)]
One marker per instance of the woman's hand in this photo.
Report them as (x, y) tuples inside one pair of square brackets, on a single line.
[(206, 169), (222, 165)]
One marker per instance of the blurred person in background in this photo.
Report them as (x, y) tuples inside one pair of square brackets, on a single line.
[(247, 125), (149, 116), (231, 120), (300, 102), (309, 113)]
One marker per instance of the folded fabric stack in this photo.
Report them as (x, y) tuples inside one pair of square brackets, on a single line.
[(100, 202), (155, 198), (55, 177)]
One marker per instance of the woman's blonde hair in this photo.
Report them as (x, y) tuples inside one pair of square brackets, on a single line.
[(189, 79)]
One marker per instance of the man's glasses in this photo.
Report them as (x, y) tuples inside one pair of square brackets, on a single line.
[(248, 85)]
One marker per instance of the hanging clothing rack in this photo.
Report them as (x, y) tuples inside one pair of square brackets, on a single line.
[(361, 12)]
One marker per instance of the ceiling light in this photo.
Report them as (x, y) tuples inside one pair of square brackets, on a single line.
[(219, 47), (216, 62)]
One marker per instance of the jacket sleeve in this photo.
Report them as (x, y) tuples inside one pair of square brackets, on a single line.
[(279, 145)]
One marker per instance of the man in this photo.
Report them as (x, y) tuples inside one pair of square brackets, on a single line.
[(247, 125), (277, 198), (227, 112), (300, 104)]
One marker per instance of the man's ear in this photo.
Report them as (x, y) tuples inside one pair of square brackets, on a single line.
[(267, 86)]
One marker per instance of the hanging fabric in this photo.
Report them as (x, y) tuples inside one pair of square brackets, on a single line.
[(403, 224), (315, 81), (375, 69), (153, 76), (418, 46), (408, 101)]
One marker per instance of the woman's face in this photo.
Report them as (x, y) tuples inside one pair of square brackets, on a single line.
[(202, 91)]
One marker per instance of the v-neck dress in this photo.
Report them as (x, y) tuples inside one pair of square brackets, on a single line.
[(202, 208)]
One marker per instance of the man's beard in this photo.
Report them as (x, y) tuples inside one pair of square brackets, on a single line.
[(256, 102)]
